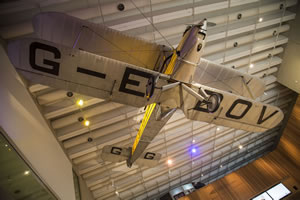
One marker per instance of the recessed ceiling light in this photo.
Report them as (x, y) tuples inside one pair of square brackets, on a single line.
[(27, 172), (170, 162), (221, 166), (194, 150), (218, 129), (80, 102), (260, 19), (251, 65), (86, 122), (201, 174), (194, 141), (240, 146)]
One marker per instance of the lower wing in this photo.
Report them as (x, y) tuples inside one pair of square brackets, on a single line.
[(74, 70), (229, 110)]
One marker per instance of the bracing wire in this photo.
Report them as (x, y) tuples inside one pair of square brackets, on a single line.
[(152, 24)]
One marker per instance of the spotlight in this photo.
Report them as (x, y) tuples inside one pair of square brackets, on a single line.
[(240, 146), (218, 129), (194, 150), (80, 102), (260, 19), (86, 122), (121, 7), (27, 172), (80, 119), (251, 65), (69, 94), (170, 162)]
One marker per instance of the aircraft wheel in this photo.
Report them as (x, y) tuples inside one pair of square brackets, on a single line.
[(213, 102)]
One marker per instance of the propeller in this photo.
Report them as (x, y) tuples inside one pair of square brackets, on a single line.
[(209, 24)]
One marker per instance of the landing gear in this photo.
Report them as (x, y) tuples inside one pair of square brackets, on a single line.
[(213, 102), (150, 87)]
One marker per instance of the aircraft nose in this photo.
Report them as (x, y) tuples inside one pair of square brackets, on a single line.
[(203, 25), (203, 22)]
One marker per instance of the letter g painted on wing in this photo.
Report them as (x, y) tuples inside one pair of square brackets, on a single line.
[(53, 66)]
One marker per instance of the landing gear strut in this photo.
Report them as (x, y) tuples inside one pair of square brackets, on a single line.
[(150, 87)]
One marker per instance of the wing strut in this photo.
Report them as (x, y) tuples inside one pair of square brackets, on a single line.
[(248, 89)]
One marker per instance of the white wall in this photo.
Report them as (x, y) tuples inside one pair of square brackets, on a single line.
[(289, 71), (24, 124)]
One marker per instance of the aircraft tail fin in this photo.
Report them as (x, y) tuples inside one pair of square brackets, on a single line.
[(115, 154)]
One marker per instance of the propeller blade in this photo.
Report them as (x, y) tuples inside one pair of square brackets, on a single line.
[(211, 24)]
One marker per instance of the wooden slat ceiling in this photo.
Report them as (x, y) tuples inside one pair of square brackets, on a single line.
[(234, 42)]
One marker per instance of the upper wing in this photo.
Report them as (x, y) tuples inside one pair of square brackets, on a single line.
[(217, 76), (79, 71), (98, 39)]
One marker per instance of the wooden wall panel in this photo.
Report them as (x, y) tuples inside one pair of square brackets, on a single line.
[(281, 165)]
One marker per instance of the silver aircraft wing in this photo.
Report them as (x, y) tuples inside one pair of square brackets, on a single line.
[(230, 80), (98, 39), (229, 109), (86, 73)]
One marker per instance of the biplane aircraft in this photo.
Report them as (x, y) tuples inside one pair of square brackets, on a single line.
[(92, 59)]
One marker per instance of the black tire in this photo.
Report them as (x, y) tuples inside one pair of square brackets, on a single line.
[(213, 102)]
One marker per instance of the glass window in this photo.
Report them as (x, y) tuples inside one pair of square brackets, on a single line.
[(76, 186), (17, 180), (263, 196), (278, 191)]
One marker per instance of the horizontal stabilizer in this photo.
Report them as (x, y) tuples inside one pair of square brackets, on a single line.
[(115, 154), (148, 159)]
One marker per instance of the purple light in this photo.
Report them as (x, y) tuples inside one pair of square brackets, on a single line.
[(194, 150)]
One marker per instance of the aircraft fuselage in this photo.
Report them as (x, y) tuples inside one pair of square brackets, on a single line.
[(188, 53)]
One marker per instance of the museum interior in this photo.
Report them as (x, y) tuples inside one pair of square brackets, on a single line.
[(53, 133)]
